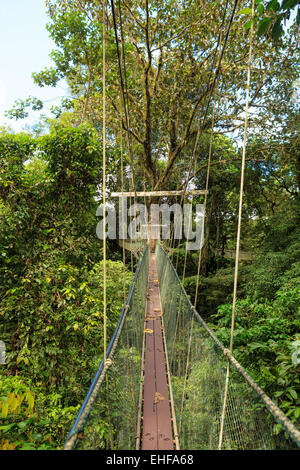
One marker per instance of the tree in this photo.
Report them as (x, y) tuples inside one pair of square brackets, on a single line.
[(167, 103)]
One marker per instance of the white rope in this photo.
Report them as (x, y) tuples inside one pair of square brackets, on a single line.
[(239, 227), (104, 175)]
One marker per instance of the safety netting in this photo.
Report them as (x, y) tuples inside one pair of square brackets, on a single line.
[(109, 414), (198, 366)]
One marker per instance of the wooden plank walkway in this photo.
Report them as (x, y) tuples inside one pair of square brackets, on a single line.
[(157, 425)]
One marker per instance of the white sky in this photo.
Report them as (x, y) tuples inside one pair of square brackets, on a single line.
[(24, 48)]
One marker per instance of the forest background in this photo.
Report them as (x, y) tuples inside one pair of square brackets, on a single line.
[(51, 260)]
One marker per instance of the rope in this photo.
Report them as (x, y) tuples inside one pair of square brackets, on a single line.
[(205, 203), (275, 411), (122, 190), (198, 264), (199, 131), (239, 226), (211, 86), (103, 367), (221, 51), (211, 89), (198, 275), (123, 83), (122, 199), (104, 176)]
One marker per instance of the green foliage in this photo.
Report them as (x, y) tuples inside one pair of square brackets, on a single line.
[(14, 151), (74, 157), (19, 110), (265, 338), (267, 326), (61, 298), (214, 290), (270, 15), (51, 269), (277, 261), (51, 282), (30, 419)]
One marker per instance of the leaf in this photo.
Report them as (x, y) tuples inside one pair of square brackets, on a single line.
[(277, 428), (27, 446), (30, 401), (297, 413), (288, 4), (22, 424), (4, 410), (293, 393), (6, 427), (247, 25), (14, 404), (245, 11), (158, 397), (277, 29), (260, 9), (273, 5), (263, 26), (256, 345), (5, 445), (148, 330)]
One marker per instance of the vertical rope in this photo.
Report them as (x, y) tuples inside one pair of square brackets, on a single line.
[(104, 173), (205, 202), (122, 199), (122, 209), (239, 227), (194, 160), (199, 261)]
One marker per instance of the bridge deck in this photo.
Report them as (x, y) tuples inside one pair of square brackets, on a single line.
[(157, 425)]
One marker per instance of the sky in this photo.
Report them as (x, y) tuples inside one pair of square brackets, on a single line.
[(24, 48)]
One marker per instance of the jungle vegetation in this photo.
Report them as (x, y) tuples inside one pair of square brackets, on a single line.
[(51, 287)]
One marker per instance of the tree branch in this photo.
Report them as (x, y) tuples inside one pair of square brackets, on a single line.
[(220, 162)]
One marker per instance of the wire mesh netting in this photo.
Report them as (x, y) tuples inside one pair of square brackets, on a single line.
[(108, 418), (198, 370), (112, 416)]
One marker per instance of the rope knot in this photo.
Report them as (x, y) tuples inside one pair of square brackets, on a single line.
[(108, 362), (226, 351)]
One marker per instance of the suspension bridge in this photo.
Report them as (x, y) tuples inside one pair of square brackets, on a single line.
[(165, 381), (161, 385)]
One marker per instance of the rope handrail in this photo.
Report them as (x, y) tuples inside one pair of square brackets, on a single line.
[(104, 364), (276, 412), (93, 391)]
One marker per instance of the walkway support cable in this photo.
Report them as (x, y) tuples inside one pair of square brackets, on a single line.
[(104, 173), (239, 226), (275, 411)]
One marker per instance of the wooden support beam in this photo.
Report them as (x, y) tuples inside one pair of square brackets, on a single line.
[(192, 192)]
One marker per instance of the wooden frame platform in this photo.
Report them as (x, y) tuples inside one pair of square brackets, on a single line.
[(193, 192)]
